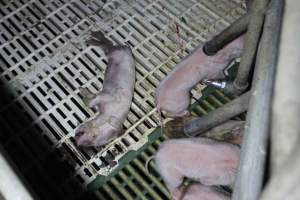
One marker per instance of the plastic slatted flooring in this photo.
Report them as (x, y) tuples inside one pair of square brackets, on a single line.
[(44, 61)]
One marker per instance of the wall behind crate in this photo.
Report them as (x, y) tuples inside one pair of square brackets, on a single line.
[(44, 61)]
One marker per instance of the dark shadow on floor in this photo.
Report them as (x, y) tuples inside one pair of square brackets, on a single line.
[(42, 167)]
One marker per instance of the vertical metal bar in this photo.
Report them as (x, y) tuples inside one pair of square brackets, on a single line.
[(251, 40), (250, 176)]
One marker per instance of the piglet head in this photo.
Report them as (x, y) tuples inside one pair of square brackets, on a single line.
[(97, 132)]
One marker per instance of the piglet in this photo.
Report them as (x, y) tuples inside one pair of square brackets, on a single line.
[(207, 161), (173, 93), (197, 191), (114, 101)]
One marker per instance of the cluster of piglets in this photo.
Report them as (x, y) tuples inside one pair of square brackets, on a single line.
[(207, 161), (172, 95)]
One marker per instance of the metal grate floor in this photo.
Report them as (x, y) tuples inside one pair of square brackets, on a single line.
[(44, 61)]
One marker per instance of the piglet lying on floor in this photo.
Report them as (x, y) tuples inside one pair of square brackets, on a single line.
[(204, 160), (114, 101), (173, 93)]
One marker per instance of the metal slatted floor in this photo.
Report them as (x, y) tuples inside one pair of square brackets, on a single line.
[(44, 61)]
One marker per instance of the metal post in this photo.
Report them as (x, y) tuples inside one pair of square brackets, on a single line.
[(250, 175), (251, 42), (254, 19)]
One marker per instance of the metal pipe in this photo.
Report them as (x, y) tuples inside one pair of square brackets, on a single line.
[(253, 23), (251, 41), (226, 36), (11, 185), (285, 137), (198, 125), (250, 175)]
